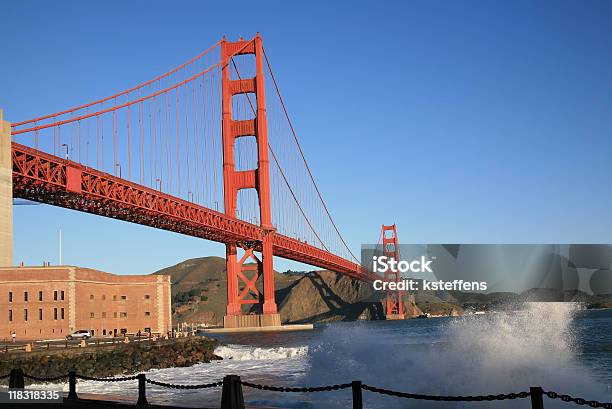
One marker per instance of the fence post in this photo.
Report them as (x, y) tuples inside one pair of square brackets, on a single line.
[(537, 401), (357, 397), (231, 395), (142, 391), (16, 379), (72, 385)]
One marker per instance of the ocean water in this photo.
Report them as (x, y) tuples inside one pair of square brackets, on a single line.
[(553, 345)]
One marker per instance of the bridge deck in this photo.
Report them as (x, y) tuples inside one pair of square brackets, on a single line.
[(46, 178)]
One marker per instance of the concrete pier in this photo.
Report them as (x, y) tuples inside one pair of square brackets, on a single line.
[(6, 195), (251, 320), (275, 328)]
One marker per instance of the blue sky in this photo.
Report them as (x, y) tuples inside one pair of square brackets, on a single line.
[(462, 122)]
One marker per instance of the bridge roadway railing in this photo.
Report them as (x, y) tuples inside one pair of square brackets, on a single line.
[(232, 396)]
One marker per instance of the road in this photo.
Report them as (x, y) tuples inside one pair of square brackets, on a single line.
[(19, 345)]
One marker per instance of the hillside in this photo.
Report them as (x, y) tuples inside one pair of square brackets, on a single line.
[(199, 294), (326, 296)]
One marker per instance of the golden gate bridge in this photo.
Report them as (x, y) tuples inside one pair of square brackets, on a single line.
[(207, 149)]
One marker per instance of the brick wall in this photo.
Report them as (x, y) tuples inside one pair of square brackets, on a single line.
[(93, 300)]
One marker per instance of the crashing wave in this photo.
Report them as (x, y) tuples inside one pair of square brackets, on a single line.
[(241, 353)]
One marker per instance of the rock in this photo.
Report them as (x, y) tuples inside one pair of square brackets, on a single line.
[(113, 359)]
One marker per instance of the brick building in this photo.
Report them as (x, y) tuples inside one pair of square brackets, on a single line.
[(51, 302)]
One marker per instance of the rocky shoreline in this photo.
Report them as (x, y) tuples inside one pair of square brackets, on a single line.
[(113, 360)]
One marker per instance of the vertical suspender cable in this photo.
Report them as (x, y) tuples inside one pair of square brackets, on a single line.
[(129, 154)]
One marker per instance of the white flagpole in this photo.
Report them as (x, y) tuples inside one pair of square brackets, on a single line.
[(60, 247)]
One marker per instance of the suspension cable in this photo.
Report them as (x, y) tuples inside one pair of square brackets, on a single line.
[(303, 157), (127, 91), (281, 170)]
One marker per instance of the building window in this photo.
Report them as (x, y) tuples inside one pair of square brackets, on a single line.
[(147, 297), (124, 297), (40, 314), (62, 313), (54, 295), (124, 315), (62, 297), (104, 296), (55, 313), (123, 331), (103, 332), (91, 296), (147, 313), (115, 314), (114, 298), (25, 296), (103, 315), (10, 296), (25, 314), (40, 298), (92, 315), (10, 315)]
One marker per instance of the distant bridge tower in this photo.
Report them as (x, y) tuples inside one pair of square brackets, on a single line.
[(243, 274), (393, 301)]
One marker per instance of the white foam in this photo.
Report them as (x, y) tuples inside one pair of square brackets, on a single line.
[(241, 353), (264, 365), (495, 353)]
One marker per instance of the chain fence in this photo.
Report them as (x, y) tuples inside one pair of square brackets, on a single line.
[(187, 386), (578, 401), (478, 398), (303, 390), (232, 396), (44, 379), (113, 379)]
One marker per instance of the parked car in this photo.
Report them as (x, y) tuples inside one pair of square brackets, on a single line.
[(80, 334)]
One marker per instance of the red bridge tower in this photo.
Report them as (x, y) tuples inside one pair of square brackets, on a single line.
[(243, 274), (394, 304)]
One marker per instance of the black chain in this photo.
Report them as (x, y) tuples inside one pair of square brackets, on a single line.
[(41, 379), (88, 378), (579, 401), (480, 398), (174, 386), (284, 389)]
